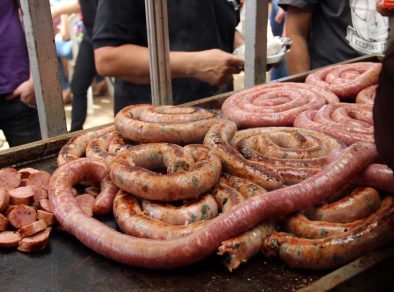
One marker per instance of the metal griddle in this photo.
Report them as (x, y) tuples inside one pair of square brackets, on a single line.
[(67, 265)]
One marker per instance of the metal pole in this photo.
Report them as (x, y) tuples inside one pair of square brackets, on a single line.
[(255, 41), (38, 26), (159, 52)]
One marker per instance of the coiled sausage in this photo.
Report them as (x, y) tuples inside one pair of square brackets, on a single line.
[(76, 147), (180, 125), (187, 177), (346, 80), (293, 152), (346, 122), (217, 139), (274, 104)]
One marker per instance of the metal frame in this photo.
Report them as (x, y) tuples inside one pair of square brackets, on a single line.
[(38, 26), (159, 51), (255, 42)]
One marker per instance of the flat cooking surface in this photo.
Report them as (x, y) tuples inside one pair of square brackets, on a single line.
[(67, 265)]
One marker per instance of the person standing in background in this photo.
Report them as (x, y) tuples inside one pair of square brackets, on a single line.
[(18, 115), (201, 37), (328, 32), (277, 20)]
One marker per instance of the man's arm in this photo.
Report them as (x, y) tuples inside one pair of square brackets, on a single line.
[(298, 24), (131, 63), (65, 8)]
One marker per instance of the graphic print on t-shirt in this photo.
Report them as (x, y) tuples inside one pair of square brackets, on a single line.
[(369, 30)]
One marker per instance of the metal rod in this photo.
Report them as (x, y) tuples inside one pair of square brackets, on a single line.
[(159, 52), (255, 41), (38, 26)]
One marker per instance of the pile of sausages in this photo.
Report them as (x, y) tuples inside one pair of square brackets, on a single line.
[(25, 217), (177, 202)]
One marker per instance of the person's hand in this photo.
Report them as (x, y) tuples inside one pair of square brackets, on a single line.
[(384, 11), (26, 92), (216, 67)]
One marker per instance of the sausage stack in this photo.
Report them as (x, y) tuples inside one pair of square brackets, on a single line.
[(178, 202)]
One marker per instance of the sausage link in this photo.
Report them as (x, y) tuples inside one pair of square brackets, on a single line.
[(118, 143), (239, 249), (346, 81), (293, 152), (131, 220), (173, 124), (274, 104), (198, 245), (204, 208), (334, 251), (301, 226), (217, 139), (104, 200), (76, 147), (361, 203), (98, 147), (367, 95), (186, 178), (378, 176), (349, 123)]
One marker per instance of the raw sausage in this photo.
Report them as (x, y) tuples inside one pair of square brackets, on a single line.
[(293, 152), (133, 221), (367, 95), (173, 124), (187, 177), (361, 203), (217, 139), (274, 104), (346, 81), (76, 147), (379, 176), (346, 122), (301, 226)]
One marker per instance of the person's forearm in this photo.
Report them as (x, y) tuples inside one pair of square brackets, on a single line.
[(66, 8), (131, 63), (298, 58)]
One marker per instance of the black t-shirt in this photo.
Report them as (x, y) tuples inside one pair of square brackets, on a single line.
[(88, 10), (194, 25), (342, 29)]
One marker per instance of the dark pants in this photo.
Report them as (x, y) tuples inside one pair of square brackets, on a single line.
[(277, 30), (84, 72), (19, 122)]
